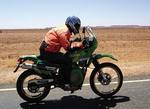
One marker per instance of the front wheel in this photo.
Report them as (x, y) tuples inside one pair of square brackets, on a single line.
[(106, 80), (31, 92)]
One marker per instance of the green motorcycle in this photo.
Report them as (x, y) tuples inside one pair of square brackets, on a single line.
[(35, 83)]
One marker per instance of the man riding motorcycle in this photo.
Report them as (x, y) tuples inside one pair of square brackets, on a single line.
[(60, 37), (43, 75)]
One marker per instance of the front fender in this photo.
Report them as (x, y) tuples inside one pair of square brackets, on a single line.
[(99, 56)]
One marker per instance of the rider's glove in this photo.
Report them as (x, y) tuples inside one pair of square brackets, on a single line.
[(76, 46)]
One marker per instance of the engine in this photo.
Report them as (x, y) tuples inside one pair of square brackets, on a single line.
[(76, 76)]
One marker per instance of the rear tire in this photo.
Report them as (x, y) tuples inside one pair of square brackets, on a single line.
[(93, 84), (21, 90)]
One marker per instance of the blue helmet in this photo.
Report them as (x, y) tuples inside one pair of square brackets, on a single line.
[(73, 23)]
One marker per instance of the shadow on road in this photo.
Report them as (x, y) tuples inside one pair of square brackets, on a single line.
[(76, 102)]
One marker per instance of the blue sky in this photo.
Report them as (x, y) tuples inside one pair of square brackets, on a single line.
[(47, 13)]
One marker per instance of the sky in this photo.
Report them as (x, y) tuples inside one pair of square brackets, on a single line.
[(48, 13)]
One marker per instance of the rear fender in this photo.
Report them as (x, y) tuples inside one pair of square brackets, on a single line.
[(33, 58), (24, 58)]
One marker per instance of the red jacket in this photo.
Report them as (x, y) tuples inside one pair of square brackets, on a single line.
[(57, 38)]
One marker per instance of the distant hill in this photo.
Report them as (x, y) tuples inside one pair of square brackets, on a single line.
[(122, 26), (48, 28)]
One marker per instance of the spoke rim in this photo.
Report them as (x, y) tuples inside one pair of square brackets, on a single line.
[(114, 81)]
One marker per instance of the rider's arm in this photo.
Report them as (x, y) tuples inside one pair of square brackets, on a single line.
[(64, 41)]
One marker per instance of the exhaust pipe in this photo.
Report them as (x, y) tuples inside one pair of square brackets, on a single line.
[(26, 66)]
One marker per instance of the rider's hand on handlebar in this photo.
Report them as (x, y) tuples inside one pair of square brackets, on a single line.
[(77, 44)]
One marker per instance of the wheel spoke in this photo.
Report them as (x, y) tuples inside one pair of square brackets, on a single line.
[(107, 80), (29, 90)]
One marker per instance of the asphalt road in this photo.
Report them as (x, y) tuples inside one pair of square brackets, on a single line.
[(133, 95)]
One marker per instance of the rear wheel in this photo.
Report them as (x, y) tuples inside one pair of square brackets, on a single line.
[(29, 91), (106, 80)]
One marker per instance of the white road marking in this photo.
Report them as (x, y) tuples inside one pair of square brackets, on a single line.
[(8, 89), (124, 82)]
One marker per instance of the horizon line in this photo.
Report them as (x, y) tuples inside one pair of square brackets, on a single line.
[(98, 26)]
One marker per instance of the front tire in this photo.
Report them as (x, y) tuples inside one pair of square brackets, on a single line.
[(25, 93), (113, 76)]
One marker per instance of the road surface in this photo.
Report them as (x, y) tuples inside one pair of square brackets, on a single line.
[(134, 94)]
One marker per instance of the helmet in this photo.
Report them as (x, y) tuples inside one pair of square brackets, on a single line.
[(73, 23)]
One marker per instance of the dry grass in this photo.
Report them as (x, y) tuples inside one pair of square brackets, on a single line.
[(130, 46)]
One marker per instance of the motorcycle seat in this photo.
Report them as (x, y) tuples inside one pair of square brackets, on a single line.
[(43, 63)]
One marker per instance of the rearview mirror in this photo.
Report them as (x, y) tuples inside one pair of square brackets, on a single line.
[(83, 31)]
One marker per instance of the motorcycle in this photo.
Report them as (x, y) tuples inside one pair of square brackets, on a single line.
[(40, 76)]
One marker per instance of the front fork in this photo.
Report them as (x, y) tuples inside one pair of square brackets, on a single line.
[(102, 77), (96, 63)]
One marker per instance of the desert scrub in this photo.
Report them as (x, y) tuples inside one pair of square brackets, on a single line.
[(8, 63)]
